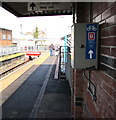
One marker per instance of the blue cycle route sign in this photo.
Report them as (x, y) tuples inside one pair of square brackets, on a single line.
[(91, 34)]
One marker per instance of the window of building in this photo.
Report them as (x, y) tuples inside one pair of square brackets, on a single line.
[(4, 37), (9, 37)]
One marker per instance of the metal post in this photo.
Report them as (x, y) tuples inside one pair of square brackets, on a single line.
[(60, 63), (65, 49)]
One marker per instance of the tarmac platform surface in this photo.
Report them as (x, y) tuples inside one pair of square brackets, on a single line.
[(40, 95)]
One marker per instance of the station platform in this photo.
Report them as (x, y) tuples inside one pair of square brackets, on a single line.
[(35, 93)]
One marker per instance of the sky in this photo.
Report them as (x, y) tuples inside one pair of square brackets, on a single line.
[(55, 26)]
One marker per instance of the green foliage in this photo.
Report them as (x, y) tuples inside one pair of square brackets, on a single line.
[(36, 33)]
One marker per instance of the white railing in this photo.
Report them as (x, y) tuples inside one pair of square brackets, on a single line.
[(9, 50), (12, 50)]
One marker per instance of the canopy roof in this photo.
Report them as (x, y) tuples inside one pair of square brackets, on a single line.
[(25, 9)]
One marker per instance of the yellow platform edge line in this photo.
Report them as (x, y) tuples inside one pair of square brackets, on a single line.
[(4, 83), (2, 58)]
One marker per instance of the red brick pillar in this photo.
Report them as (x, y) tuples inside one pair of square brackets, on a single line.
[(78, 93), (72, 95)]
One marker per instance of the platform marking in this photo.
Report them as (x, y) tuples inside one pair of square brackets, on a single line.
[(41, 94), (57, 69), (2, 58)]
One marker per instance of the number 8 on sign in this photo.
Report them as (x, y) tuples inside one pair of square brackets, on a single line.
[(91, 36)]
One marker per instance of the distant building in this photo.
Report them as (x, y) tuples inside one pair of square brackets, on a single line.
[(5, 37), (25, 41)]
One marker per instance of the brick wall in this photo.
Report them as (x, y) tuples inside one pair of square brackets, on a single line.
[(103, 79), (5, 42)]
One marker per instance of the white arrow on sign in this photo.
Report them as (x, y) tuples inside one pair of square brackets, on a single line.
[(90, 52)]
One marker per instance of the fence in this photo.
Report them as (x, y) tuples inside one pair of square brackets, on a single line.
[(10, 50)]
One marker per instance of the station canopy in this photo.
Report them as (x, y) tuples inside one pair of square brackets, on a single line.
[(25, 9)]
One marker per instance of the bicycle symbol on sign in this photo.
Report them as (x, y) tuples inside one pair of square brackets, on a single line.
[(91, 27)]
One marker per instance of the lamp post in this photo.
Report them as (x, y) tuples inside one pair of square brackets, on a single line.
[(21, 28)]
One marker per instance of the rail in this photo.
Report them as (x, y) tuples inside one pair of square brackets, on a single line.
[(9, 65), (12, 69)]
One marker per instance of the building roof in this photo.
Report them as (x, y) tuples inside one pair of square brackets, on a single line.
[(5, 29)]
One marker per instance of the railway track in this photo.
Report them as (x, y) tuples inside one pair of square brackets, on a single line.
[(11, 62), (12, 69)]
